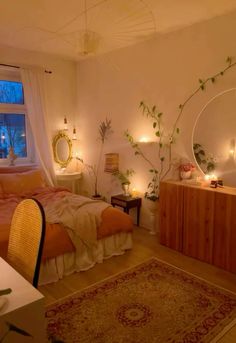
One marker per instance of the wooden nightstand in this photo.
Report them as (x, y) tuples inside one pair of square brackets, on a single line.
[(127, 202)]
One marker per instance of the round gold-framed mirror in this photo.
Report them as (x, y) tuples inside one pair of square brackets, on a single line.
[(214, 137), (62, 149)]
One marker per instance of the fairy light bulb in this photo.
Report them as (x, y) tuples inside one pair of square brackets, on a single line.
[(74, 134), (65, 124)]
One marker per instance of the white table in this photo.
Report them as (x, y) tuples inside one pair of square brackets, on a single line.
[(23, 307), (69, 178)]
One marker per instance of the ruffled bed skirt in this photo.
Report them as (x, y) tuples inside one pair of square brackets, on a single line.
[(54, 269)]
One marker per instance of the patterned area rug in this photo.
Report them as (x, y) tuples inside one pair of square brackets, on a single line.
[(152, 302)]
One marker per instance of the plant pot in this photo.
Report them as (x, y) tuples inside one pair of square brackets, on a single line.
[(153, 209), (97, 197), (184, 175), (125, 187)]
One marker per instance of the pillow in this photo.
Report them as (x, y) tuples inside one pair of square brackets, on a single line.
[(21, 182)]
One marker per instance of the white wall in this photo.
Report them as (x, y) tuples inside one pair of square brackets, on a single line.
[(163, 71), (60, 85)]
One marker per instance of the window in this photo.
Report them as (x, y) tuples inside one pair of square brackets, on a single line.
[(14, 126), (13, 134)]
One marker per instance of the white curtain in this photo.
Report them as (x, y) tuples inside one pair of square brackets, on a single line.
[(33, 80)]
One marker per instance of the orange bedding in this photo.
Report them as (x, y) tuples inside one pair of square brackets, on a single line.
[(57, 241)]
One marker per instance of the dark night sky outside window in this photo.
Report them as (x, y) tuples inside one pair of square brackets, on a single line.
[(12, 125)]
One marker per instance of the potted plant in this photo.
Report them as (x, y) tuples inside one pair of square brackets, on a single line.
[(124, 178), (185, 170), (105, 131)]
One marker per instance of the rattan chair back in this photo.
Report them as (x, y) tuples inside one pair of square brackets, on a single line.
[(26, 239)]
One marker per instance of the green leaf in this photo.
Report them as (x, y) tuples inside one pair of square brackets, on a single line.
[(221, 73), (212, 79), (202, 87), (157, 133), (202, 152), (137, 153), (151, 170), (160, 145), (159, 114), (180, 106), (154, 108), (177, 130), (154, 125), (200, 80), (162, 159)]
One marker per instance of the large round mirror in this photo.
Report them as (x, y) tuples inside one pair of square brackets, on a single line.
[(214, 137), (62, 149)]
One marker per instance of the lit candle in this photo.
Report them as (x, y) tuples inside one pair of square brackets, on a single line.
[(214, 177), (134, 192), (143, 139)]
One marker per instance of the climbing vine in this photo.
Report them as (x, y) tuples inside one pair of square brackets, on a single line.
[(156, 116)]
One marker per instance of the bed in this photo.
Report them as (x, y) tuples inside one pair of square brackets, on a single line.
[(80, 232)]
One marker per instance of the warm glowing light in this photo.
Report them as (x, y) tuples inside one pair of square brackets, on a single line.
[(213, 177), (65, 124), (232, 147), (144, 139), (134, 192), (74, 134), (3, 136), (209, 177)]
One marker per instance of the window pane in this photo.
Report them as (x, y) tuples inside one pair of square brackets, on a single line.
[(11, 92), (12, 134)]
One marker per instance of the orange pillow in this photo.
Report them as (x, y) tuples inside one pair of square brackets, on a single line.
[(21, 182)]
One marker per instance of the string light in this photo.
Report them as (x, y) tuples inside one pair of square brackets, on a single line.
[(74, 134), (65, 124), (232, 148)]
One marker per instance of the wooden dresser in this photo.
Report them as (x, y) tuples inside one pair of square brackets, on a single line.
[(199, 222)]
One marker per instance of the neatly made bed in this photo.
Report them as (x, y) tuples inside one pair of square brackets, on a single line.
[(79, 233)]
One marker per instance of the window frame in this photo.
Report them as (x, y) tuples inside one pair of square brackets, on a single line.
[(9, 75)]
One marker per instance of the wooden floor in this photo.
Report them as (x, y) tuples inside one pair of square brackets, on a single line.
[(145, 246)]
